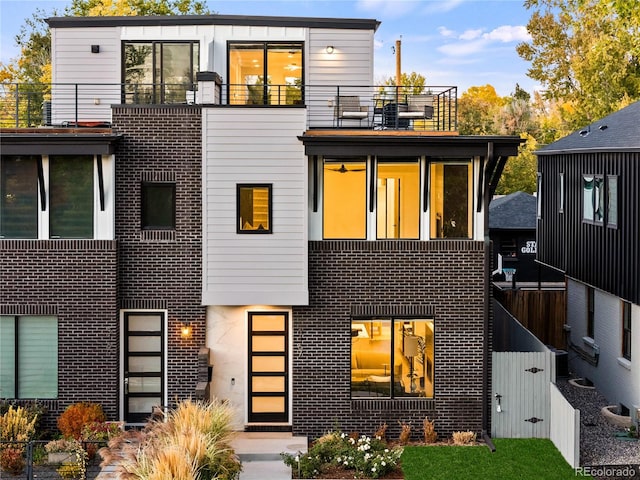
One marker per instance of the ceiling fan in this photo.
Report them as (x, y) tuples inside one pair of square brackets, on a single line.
[(343, 169)]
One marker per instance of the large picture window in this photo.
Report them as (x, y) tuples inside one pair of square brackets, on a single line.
[(28, 357), (52, 196), (265, 73), (392, 358), (451, 200), (160, 71)]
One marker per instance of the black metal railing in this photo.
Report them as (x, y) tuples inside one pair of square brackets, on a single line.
[(30, 461), (374, 107)]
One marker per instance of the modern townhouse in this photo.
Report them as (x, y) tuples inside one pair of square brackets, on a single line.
[(240, 184)]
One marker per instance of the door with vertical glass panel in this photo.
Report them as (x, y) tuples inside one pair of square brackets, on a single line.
[(268, 372), (143, 364)]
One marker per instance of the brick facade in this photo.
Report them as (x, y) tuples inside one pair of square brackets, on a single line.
[(441, 280), (162, 269), (74, 280)]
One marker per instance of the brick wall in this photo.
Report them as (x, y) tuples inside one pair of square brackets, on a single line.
[(163, 269), (441, 280), (74, 280)]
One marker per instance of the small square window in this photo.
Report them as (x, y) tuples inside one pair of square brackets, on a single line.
[(158, 206), (254, 208)]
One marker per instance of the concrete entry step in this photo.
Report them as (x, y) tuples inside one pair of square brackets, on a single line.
[(260, 454)]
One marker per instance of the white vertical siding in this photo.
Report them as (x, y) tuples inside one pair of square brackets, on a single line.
[(616, 378), (74, 64), (250, 145)]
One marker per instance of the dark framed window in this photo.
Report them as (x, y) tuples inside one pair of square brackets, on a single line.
[(590, 312), (612, 201), (392, 357), (451, 199), (626, 330), (254, 208), (19, 197), (561, 192), (344, 198), (593, 198), (539, 196), (159, 71), (158, 206), (71, 196), (265, 73), (28, 357)]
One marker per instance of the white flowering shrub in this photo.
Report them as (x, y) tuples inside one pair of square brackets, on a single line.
[(367, 457)]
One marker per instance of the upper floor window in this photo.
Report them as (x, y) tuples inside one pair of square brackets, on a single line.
[(158, 206), (561, 192), (265, 73), (28, 357), (159, 71), (392, 194), (398, 199), (50, 197), (345, 199), (392, 358), (254, 208), (593, 198), (612, 201), (451, 200)]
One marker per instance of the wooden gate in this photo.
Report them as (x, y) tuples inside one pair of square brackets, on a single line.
[(520, 394)]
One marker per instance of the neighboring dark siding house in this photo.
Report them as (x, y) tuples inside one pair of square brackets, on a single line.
[(512, 228), (589, 229)]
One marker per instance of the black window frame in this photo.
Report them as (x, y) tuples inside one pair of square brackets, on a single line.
[(158, 86), (626, 330), (265, 67), (257, 231), (143, 203), (591, 312)]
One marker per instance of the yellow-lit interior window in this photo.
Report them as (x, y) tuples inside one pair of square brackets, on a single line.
[(392, 358), (398, 200), (345, 200), (451, 200)]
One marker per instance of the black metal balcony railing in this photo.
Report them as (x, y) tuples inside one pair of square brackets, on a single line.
[(431, 108)]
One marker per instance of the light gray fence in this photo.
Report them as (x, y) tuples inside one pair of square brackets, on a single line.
[(565, 427), (526, 402)]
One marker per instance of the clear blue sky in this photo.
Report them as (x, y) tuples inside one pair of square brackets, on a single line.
[(451, 42)]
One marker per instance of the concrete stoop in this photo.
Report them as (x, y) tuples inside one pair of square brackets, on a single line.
[(259, 453)]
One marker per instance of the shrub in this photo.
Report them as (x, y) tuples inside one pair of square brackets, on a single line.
[(61, 445), (192, 443), (76, 416), (429, 429), (15, 425), (464, 438), (12, 460), (405, 433), (367, 457), (33, 409), (70, 471)]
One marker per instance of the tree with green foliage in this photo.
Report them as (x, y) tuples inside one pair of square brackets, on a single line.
[(585, 53), (477, 110), (412, 83), (520, 173)]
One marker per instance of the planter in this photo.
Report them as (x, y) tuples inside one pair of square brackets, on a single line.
[(581, 383), (61, 457), (610, 415)]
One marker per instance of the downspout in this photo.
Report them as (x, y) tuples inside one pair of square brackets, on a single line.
[(487, 309)]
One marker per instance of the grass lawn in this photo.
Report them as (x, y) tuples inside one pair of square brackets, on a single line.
[(522, 459)]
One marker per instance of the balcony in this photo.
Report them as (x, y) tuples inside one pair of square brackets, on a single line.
[(328, 107)]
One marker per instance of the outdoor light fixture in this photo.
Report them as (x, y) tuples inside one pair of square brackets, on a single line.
[(330, 49), (185, 329), (95, 48)]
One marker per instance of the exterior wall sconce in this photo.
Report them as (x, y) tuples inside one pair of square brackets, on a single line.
[(95, 48), (330, 49), (185, 330)]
